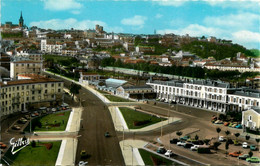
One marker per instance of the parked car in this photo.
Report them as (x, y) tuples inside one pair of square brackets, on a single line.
[(194, 147), (161, 150), (2, 145), (16, 127), (185, 137), (230, 125), (53, 109), (168, 153), (253, 160), (245, 145), (36, 113), (219, 122), (243, 156), (221, 139), (181, 143), (107, 134), (253, 147), (226, 123), (27, 117), (234, 154), (33, 115), (187, 145), (174, 141), (234, 125), (239, 126)]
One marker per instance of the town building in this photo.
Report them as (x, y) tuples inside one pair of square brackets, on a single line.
[(89, 78), (136, 92), (24, 67), (211, 95), (251, 119), (28, 94), (111, 85)]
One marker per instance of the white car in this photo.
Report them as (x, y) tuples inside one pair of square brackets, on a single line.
[(245, 145), (181, 143), (194, 147), (168, 153), (83, 163), (53, 109), (221, 139)]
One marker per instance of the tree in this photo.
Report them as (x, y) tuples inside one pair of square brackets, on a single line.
[(33, 144), (196, 137), (257, 141), (247, 137), (227, 132), (179, 133), (74, 89), (216, 145), (237, 135), (250, 153), (218, 131), (226, 147)]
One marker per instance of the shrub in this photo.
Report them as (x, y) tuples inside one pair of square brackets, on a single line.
[(33, 144), (140, 123)]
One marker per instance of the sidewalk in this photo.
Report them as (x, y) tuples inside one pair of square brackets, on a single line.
[(68, 138), (130, 151)]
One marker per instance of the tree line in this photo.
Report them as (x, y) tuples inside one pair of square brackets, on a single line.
[(195, 72)]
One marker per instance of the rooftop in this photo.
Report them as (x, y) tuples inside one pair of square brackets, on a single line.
[(28, 81)]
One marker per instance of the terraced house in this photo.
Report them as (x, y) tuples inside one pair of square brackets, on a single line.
[(29, 94), (211, 95)]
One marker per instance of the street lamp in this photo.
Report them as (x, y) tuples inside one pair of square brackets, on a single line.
[(132, 153)]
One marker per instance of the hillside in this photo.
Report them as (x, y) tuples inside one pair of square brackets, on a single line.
[(256, 52), (216, 50)]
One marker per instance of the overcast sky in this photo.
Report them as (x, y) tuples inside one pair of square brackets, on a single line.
[(235, 20)]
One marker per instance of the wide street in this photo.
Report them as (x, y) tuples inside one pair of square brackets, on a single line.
[(106, 151), (96, 121)]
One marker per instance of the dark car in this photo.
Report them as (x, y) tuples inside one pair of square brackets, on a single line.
[(174, 141), (188, 145), (161, 150), (107, 134)]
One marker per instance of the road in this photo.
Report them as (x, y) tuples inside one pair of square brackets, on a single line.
[(96, 121)]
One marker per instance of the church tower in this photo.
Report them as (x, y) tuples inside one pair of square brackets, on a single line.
[(21, 20)]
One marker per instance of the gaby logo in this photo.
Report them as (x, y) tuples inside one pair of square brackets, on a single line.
[(18, 144)]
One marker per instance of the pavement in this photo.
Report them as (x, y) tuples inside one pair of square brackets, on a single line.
[(130, 151), (120, 124), (68, 137)]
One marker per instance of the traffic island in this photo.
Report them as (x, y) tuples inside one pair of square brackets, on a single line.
[(121, 123)]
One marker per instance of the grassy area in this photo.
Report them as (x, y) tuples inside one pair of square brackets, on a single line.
[(38, 155), (103, 92), (51, 122), (153, 159), (67, 75), (136, 120), (116, 99)]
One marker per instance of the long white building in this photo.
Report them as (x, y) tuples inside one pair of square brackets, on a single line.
[(212, 95)]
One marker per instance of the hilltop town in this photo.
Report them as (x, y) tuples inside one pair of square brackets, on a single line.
[(86, 89)]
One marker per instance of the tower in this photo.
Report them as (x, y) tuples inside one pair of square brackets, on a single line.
[(21, 20)]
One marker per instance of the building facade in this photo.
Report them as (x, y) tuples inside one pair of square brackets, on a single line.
[(251, 118), (211, 95), (28, 94), (24, 67)]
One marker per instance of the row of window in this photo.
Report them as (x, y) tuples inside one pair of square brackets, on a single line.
[(18, 102), (242, 101), (189, 87), (22, 87)]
